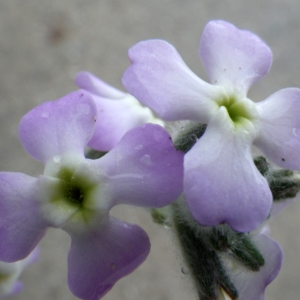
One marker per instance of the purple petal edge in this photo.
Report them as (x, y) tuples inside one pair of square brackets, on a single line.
[(97, 260), (233, 57), (89, 82), (58, 127)]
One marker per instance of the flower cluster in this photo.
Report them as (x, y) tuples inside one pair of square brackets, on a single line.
[(219, 194)]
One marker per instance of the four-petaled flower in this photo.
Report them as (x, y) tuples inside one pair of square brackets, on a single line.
[(221, 182), (118, 112), (76, 194)]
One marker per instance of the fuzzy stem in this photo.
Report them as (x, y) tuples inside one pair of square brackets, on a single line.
[(202, 260)]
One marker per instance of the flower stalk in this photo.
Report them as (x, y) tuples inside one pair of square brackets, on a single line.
[(202, 260), (207, 250)]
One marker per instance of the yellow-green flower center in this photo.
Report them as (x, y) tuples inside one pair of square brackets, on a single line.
[(75, 192), (239, 111)]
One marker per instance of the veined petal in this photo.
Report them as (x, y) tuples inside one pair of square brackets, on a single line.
[(233, 57), (160, 79), (98, 259), (59, 127), (144, 169), (279, 137), (115, 118), (89, 82), (21, 224), (221, 182), (251, 285)]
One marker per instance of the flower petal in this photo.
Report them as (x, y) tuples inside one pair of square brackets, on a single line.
[(115, 118), (144, 169), (221, 182), (57, 127), (10, 272), (89, 82), (18, 286), (232, 57), (98, 259), (160, 79), (279, 137), (251, 285), (21, 224)]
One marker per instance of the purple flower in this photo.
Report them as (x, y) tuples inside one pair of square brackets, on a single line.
[(251, 285), (118, 112), (221, 182), (76, 194), (10, 273)]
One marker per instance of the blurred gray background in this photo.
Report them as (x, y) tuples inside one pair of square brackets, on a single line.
[(43, 44)]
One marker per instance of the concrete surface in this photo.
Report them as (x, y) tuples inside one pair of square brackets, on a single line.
[(42, 46)]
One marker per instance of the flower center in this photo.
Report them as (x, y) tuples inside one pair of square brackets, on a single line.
[(239, 111), (74, 190), (76, 194), (73, 197)]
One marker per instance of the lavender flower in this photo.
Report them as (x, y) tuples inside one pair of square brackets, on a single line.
[(221, 182), (10, 273), (76, 194), (118, 112)]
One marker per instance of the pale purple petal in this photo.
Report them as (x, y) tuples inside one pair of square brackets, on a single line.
[(33, 256), (98, 259), (232, 57), (59, 127), (21, 224), (18, 286), (115, 118), (279, 137), (10, 291), (251, 285), (221, 182), (160, 79), (89, 82), (11, 271), (144, 169)]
